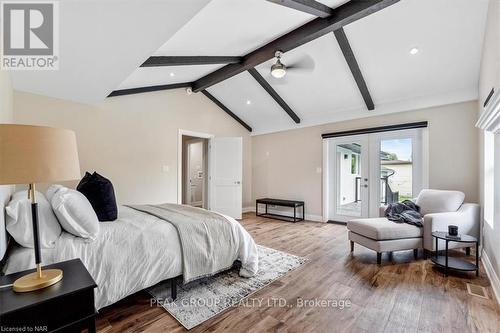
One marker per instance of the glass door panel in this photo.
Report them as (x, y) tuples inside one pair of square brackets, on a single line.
[(349, 180), (396, 170), (349, 188), (396, 167)]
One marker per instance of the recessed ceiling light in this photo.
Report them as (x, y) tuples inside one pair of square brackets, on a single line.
[(172, 74), (249, 102), (414, 50)]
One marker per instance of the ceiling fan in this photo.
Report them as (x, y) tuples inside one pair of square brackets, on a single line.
[(279, 69)]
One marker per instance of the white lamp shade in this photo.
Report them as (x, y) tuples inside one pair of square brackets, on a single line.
[(36, 154)]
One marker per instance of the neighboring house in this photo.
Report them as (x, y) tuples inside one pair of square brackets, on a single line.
[(400, 176)]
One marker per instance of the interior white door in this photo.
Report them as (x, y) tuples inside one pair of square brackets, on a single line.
[(226, 173)]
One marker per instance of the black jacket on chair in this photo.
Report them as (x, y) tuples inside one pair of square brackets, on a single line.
[(404, 212)]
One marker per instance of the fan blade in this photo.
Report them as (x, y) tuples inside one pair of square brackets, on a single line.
[(305, 64)]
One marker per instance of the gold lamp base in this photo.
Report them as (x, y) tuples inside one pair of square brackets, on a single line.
[(37, 280)]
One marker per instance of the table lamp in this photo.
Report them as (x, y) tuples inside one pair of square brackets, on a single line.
[(35, 154)]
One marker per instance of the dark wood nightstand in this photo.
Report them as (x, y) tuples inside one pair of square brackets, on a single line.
[(67, 306)]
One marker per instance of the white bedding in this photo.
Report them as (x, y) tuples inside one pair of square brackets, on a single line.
[(132, 253)]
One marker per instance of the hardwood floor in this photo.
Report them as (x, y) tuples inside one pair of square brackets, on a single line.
[(403, 295)]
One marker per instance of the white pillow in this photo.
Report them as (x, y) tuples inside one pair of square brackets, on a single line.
[(439, 201), (74, 212), (20, 226)]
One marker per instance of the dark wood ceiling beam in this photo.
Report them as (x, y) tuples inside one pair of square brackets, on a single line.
[(141, 90), (307, 6), (223, 107), (157, 61), (354, 67), (341, 16), (267, 87)]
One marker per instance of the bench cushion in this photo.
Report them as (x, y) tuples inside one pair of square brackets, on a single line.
[(383, 229), (386, 245)]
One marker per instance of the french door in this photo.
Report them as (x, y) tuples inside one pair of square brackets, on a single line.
[(349, 177), (364, 172)]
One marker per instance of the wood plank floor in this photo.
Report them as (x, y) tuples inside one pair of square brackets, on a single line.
[(403, 295)]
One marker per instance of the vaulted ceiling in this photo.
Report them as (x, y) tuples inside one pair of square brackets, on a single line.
[(102, 42), (447, 33)]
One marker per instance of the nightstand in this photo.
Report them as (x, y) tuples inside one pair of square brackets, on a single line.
[(67, 306)]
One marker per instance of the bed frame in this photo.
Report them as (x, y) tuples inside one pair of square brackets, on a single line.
[(173, 287)]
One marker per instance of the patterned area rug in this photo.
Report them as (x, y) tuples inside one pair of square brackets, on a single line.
[(200, 300)]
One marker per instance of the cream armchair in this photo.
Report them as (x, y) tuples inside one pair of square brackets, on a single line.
[(466, 218), (439, 208), (443, 208)]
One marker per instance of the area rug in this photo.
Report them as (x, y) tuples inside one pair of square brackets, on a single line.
[(201, 300)]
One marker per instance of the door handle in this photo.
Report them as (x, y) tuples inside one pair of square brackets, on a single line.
[(237, 182)]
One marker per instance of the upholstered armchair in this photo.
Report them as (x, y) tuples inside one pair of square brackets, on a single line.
[(443, 208), (439, 209)]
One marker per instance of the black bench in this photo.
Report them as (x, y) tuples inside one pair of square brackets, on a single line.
[(283, 203)]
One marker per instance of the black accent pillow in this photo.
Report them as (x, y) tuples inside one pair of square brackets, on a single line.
[(101, 195)]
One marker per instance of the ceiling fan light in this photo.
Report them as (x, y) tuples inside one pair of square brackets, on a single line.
[(278, 70)]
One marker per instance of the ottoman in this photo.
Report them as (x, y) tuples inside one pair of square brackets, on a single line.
[(382, 235)]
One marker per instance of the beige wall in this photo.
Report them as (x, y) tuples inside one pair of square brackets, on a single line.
[(287, 164), (129, 139), (5, 117), (5, 98), (489, 78)]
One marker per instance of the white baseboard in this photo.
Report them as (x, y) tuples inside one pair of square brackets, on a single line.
[(492, 275), (248, 209), (311, 218)]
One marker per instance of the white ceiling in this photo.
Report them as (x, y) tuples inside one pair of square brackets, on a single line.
[(102, 42), (448, 33), (152, 76), (235, 27)]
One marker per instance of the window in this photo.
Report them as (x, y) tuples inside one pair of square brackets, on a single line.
[(396, 170), (489, 176), (354, 164)]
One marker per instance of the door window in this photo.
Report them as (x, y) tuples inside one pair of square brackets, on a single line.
[(396, 170), (348, 179)]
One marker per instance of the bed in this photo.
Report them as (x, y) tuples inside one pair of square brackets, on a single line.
[(135, 252)]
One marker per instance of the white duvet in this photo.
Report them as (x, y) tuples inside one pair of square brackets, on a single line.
[(134, 252)]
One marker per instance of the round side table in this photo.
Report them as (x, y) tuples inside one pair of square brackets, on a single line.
[(451, 262)]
